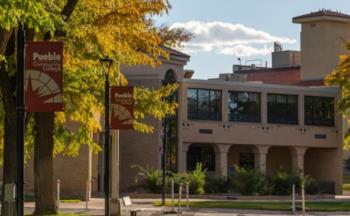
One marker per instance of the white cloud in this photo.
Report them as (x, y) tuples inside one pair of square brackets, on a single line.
[(229, 39)]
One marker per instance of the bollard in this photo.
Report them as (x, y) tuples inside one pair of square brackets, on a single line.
[(293, 199), (187, 196), (87, 195), (58, 192), (179, 202), (303, 197), (172, 195)]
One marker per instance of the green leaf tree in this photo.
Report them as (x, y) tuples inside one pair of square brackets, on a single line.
[(121, 29), (341, 77)]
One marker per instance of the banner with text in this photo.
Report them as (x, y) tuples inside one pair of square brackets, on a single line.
[(43, 76), (122, 106)]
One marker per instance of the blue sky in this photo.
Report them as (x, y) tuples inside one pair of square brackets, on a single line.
[(227, 29)]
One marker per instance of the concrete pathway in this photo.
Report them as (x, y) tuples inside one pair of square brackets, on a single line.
[(96, 206)]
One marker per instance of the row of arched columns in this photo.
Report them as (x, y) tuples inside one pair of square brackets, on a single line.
[(225, 152)]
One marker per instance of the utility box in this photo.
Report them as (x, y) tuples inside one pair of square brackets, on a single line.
[(10, 192)]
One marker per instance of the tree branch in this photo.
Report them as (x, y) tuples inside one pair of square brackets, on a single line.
[(4, 38), (67, 12)]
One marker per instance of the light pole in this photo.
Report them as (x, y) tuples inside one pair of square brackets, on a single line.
[(164, 158), (20, 106), (106, 64)]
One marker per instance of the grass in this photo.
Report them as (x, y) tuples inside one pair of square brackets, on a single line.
[(70, 201), (322, 206), (346, 183), (61, 214)]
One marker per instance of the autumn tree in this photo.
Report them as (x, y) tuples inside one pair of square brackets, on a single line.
[(121, 29), (341, 77)]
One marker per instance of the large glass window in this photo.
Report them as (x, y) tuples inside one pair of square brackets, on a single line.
[(319, 111), (282, 109), (244, 106), (204, 104), (201, 154)]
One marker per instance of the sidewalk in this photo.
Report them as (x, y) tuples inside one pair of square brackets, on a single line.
[(96, 207)]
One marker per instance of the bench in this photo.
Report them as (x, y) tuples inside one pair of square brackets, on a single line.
[(129, 206)]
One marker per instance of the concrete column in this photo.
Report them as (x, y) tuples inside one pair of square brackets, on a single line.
[(183, 157), (298, 160), (221, 160), (260, 158), (115, 202), (224, 104), (301, 109)]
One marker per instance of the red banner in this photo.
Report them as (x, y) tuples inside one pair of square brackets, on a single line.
[(44, 80), (122, 106)]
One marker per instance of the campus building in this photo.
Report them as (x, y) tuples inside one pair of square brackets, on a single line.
[(281, 117), (265, 118)]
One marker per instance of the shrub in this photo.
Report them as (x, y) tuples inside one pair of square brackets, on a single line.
[(249, 182), (282, 182), (311, 186), (197, 180), (151, 178), (216, 185)]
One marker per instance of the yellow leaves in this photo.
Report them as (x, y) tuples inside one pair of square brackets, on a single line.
[(154, 102), (341, 77)]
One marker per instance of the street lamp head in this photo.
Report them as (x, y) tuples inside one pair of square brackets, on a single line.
[(106, 64)]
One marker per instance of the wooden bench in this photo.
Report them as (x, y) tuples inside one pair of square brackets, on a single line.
[(129, 206)]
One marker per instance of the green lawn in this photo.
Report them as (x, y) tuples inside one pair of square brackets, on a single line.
[(62, 214), (346, 183), (269, 205)]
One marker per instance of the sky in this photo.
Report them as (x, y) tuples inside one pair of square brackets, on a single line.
[(225, 30)]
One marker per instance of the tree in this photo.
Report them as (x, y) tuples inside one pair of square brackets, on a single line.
[(91, 29), (341, 77), (35, 16)]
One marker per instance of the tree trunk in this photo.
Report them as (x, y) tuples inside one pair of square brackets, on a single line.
[(7, 89), (10, 149), (45, 202)]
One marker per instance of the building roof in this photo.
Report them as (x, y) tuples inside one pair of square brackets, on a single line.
[(260, 85), (175, 52), (322, 15)]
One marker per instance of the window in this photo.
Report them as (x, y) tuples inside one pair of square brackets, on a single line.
[(319, 111), (244, 106), (204, 104), (246, 161), (201, 154), (282, 109)]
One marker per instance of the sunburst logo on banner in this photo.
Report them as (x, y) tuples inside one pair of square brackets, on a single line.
[(41, 88)]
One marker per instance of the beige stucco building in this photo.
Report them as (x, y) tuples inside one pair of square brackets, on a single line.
[(220, 135)]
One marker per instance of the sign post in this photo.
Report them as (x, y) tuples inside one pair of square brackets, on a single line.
[(122, 118)]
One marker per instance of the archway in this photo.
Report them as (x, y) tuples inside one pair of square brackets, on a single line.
[(278, 158), (243, 156), (201, 153)]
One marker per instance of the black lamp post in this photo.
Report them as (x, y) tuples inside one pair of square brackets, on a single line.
[(20, 106), (164, 157), (106, 64)]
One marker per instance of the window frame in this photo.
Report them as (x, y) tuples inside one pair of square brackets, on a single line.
[(210, 116), (307, 123), (259, 94), (287, 121)]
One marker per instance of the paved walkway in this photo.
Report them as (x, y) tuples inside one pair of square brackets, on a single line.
[(96, 206)]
